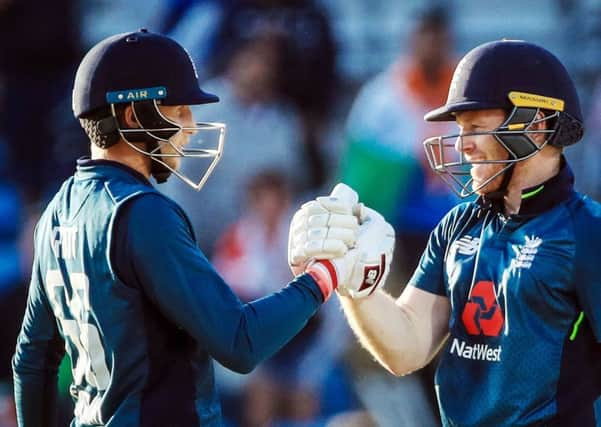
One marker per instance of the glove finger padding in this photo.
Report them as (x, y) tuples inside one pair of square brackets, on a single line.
[(325, 249), (333, 220), (308, 234), (346, 235), (335, 205), (375, 244), (321, 229)]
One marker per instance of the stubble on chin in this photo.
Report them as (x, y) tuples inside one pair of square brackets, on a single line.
[(479, 177), (493, 185)]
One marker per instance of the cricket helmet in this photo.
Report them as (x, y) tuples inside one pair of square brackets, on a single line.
[(145, 70), (524, 80)]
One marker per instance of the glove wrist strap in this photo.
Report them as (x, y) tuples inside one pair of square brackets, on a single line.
[(324, 274)]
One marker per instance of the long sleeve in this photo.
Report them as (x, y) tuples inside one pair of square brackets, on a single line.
[(38, 354), (587, 281), (155, 250)]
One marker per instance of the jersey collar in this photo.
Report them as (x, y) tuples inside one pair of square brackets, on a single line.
[(550, 193), (542, 197), (86, 163)]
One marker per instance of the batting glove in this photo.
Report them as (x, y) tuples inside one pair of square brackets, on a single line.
[(370, 258), (364, 268), (324, 229)]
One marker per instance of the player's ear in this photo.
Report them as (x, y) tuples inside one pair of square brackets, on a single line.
[(129, 118), (543, 124), (539, 124)]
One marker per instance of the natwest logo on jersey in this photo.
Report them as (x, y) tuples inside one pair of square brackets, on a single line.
[(476, 351), (482, 314)]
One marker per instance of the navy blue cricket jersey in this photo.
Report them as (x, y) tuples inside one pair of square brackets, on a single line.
[(119, 282), (525, 324)]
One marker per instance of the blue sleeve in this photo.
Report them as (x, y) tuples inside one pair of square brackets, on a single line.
[(39, 351), (155, 250), (587, 280), (430, 272)]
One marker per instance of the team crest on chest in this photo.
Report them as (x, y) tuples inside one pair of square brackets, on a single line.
[(525, 254)]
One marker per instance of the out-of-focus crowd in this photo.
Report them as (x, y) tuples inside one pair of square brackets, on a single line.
[(312, 92)]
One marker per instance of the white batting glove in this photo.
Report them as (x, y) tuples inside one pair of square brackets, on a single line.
[(324, 229), (364, 268), (370, 258)]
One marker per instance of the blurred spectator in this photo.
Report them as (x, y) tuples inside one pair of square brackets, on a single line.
[(252, 254), (194, 23), (305, 381), (384, 161), (103, 18), (384, 157), (262, 133), (39, 41), (308, 60), (39, 45)]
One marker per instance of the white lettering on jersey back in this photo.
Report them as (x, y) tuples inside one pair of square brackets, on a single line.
[(466, 245), (524, 254), (63, 241), (476, 351)]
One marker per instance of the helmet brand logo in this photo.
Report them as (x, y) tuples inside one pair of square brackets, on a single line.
[(142, 94), (523, 99)]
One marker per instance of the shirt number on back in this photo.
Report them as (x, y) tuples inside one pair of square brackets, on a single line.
[(74, 317)]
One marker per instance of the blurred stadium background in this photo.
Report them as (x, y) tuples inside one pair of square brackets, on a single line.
[(313, 91)]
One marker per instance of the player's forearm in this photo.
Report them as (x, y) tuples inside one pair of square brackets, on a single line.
[(264, 326), (392, 333)]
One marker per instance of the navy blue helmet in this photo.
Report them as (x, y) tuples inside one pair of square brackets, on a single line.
[(146, 70), (487, 74), (126, 64), (521, 78)]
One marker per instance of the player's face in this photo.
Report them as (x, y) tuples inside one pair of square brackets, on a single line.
[(482, 147), (182, 115)]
